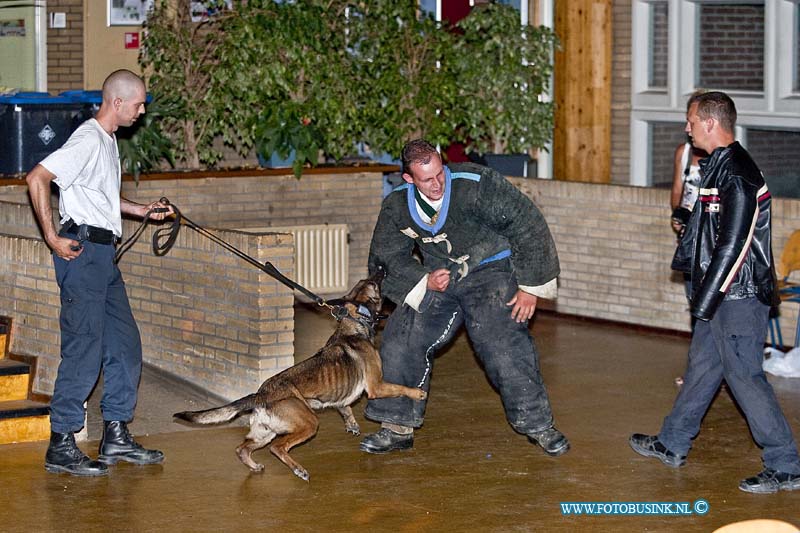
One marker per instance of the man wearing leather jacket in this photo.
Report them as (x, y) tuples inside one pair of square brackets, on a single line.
[(728, 253)]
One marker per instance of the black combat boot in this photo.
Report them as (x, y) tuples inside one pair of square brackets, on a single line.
[(118, 445), (63, 455), (386, 440), (551, 440)]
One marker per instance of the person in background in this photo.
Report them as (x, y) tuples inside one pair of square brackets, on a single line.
[(685, 179), (685, 189), (727, 250), (97, 327)]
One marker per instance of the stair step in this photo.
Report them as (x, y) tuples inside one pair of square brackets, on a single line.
[(14, 380), (22, 408), (9, 367), (24, 421)]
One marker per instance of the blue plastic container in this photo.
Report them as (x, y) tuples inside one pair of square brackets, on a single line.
[(33, 125)]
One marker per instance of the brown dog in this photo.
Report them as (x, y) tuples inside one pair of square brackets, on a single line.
[(336, 376)]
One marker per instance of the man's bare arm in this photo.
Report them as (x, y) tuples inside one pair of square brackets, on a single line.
[(140, 210), (39, 180)]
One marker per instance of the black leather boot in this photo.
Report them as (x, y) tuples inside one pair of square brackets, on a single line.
[(551, 440), (385, 441), (118, 445), (63, 455)]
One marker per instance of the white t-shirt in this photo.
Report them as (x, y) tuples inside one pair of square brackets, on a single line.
[(88, 173)]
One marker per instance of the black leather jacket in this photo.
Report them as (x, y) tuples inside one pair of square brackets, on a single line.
[(727, 244)]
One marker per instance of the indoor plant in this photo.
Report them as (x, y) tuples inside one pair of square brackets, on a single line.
[(405, 62), (180, 59), (503, 69), (144, 146)]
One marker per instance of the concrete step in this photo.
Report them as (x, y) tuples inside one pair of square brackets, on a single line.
[(14, 380), (24, 421)]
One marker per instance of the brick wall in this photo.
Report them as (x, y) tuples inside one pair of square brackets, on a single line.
[(277, 200), (65, 48), (201, 313), (213, 319), (615, 245), (731, 51), (204, 313), (620, 91), (17, 218)]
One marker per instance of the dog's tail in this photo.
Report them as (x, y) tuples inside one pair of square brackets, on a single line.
[(218, 415)]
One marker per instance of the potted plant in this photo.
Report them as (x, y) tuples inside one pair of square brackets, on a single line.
[(503, 68), (289, 63), (289, 136), (180, 58), (405, 61), (144, 146)]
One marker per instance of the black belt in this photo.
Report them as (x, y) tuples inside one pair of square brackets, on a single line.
[(84, 232)]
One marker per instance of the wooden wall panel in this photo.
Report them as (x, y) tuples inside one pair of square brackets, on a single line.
[(582, 88)]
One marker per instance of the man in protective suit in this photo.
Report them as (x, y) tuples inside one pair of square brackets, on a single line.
[(461, 246)]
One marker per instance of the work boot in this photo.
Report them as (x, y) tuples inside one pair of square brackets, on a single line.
[(118, 445), (551, 440), (386, 440), (650, 446), (63, 455), (770, 481)]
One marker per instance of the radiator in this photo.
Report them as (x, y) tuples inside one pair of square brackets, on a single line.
[(321, 256)]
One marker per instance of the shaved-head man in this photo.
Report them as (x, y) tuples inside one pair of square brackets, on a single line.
[(97, 327)]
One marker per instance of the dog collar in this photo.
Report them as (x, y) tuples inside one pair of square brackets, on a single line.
[(363, 311)]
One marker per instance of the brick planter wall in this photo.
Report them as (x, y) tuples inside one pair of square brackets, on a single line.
[(203, 314), (211, 318)]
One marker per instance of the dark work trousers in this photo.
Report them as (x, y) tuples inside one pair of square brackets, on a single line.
[(97, 330), (504, 347), (731, 346)]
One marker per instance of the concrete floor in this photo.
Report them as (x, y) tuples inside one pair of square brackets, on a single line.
[(468, 471)]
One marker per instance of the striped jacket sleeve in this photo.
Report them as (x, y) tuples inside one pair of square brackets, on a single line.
[(738, 214)]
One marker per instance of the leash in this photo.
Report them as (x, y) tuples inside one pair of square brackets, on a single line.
[(164, 238)]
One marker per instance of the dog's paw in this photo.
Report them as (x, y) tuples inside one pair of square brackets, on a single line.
[(257, 469), (421, 394), (354, 429), (301, 473)]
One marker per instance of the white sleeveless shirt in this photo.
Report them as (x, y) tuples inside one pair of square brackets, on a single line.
[(691, 179)]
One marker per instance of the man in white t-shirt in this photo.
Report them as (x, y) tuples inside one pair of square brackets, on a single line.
[(97, 327)]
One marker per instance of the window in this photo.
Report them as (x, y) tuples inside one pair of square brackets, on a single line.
[(731, 47), (659, 46), (747, 48), (664, 139), (776, 153), (796, 71)]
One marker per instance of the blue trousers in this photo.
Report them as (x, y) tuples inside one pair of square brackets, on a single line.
[(505, 348), (731, 346), (97, 331)]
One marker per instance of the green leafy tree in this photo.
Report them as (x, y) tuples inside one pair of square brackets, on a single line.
[(144, 146), (406, 64), (180, 59), (503, 68)]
